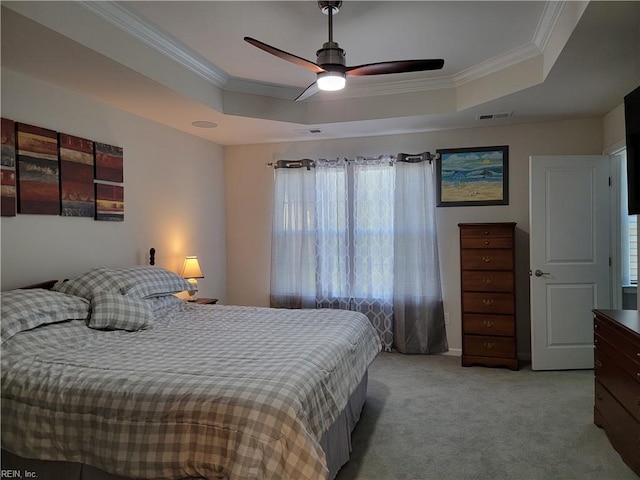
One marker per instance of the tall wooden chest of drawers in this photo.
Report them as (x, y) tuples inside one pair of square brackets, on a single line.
[(487, 262), (617, 381)]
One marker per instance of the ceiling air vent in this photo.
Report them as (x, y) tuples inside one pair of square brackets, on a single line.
[(493, 116), (308, 130)]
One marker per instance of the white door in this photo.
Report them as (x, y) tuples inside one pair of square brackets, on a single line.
[(569, 257)]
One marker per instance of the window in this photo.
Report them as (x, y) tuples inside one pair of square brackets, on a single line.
[(629, 235), (355, 231), (360, 235)]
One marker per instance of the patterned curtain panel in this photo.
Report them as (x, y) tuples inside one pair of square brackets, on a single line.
[(337, 230)]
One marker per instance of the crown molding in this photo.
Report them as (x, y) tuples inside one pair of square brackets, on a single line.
[(548, 20), (245, 85), (505, 60), (117, 14), (121, 17)]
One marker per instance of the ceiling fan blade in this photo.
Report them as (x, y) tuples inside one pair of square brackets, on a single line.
[(398, 66), (310, 90), (315, 68)]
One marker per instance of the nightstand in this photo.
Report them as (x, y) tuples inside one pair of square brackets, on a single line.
[(206, 301)]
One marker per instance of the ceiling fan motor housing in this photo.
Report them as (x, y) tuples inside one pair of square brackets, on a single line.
[(331, 54)]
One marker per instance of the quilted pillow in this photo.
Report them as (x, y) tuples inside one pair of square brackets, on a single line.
[(85, 285), (143, 281), (113, 311), (24, 309), (163, 302)]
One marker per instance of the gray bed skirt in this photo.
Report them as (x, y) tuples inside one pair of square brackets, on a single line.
[(336, 443)]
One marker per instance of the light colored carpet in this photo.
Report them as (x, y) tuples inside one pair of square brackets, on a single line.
[(427, 417)]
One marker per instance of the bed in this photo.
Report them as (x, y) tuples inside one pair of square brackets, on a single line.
[(109, 375)]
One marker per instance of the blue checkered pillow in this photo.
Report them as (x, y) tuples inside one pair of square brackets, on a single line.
[(29, 308), (145, 281), (85, 285), (163, 302), (113, 311)]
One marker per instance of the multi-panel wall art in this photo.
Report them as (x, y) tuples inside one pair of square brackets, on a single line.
[(51, 173)]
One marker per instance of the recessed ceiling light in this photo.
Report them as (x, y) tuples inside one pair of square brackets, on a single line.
[(204, 124)]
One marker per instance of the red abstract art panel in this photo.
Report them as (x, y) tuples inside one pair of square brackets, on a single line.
[(109, 202), (76, 176), (38, 170), (8, 171)]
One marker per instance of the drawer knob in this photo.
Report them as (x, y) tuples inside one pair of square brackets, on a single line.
[(488, 323), (598, 363), (488, 345), (488, 280), (486, 242), (487, 302), (487, 259), (486, 232)]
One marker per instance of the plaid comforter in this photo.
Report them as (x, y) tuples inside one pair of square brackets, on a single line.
[(209, 391)]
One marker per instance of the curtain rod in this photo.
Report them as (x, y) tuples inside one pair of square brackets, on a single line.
[(401, 157)]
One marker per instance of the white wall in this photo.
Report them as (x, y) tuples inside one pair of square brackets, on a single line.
[(250, 185), (173, 194), (614, 130)]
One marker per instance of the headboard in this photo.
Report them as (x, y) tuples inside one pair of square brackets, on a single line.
[(46, 285)]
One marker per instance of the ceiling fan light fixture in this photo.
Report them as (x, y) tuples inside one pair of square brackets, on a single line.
[(331, 81)]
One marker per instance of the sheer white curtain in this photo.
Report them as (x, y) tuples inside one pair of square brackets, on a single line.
[(417, 293), (293, 243), (360, 235)]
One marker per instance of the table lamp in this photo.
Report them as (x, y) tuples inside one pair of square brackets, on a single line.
[(191, 271)]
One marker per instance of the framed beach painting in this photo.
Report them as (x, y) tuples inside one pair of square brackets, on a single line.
[(476, 176)]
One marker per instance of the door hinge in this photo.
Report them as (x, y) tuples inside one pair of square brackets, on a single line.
[(609, 181)]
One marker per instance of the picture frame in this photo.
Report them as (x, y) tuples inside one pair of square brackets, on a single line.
[(474, 176)]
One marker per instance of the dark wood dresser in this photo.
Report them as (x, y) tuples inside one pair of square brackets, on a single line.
[(487, 264), (617, 381)]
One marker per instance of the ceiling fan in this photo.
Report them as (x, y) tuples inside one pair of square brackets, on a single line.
[(330, 66)]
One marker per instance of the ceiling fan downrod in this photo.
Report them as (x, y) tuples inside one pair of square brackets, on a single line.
[(330, 53)]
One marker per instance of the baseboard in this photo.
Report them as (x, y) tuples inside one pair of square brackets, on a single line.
[(457, 352), (453, 352)]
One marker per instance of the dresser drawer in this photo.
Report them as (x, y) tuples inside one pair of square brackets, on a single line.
[(480, 302), (622, 429), (485, 230), (489, 242), (624, 343), (502, 325), (486, 259), (617, 380), (489, 281), (617, 355), (486, 346)]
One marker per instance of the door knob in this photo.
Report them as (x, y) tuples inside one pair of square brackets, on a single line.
[(539, 273)]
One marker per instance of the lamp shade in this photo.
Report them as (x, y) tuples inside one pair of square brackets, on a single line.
[(191, 268)]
